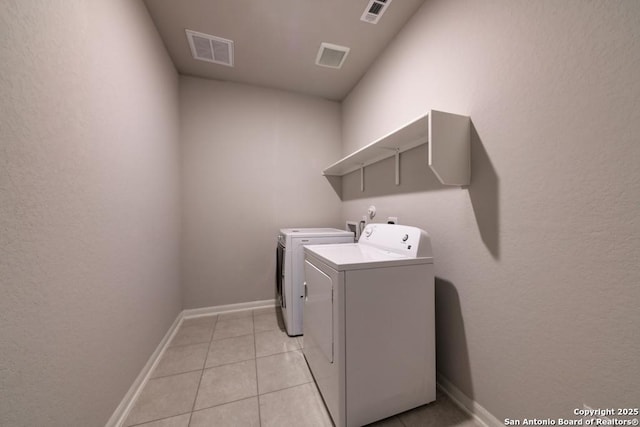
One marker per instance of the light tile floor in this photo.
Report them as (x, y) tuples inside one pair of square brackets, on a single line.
[(241, 369)]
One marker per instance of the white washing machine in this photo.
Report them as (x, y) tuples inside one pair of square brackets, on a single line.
[(369, 323), (290, 268)]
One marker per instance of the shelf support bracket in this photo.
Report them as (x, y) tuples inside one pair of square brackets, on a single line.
[(362, 177), (397, 166)]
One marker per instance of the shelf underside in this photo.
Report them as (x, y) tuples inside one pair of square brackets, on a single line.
[(403, 139)]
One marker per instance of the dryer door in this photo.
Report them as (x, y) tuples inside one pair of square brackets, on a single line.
[(323, 346), (318, 313)]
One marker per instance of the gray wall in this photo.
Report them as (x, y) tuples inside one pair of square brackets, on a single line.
[(89, 219), (252, 159), (537, 260)]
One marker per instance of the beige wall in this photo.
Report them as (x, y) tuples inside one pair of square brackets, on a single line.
[(252, 159), (537, 296), (89, 218)]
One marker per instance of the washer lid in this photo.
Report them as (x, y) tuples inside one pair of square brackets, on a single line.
[(356, 256)]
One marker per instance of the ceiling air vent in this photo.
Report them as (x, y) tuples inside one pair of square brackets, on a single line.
[(331, 55), (374, 11), (210, 48)]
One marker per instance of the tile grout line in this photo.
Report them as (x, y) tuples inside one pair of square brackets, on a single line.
[(234, 320), (177, 373), (295, 338), (237, 361), (228, 338), (186, 345), (227, 363), (182, 325), (286, 388), (159, 419), (244, 398), (255, 360), (280, 352), (221, 404), (195, 399)]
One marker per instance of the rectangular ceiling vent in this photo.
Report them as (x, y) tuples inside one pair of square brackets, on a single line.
[(374, 11), (331, 55), (210, 48)]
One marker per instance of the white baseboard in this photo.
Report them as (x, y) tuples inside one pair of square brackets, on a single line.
[(470, 406), (208, 311), (122, 411)]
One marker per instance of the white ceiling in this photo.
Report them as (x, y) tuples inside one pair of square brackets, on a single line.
[(276, 41)]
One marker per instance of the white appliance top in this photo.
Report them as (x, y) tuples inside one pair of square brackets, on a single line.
[(380, 245), (314, 232)]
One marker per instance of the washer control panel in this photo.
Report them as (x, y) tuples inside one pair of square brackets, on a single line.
[(403, 239)]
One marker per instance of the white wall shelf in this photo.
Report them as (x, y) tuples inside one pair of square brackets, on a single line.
[(448, 136)]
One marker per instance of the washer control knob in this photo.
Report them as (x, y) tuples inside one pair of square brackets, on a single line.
[(368, 231), (405, 238)]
